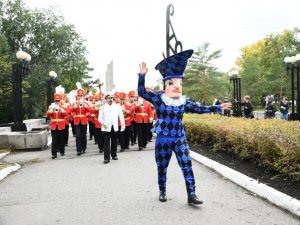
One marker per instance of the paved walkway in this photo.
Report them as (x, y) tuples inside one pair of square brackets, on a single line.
[(82, 190)]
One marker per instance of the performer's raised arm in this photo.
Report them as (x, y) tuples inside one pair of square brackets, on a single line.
[(148, 95)]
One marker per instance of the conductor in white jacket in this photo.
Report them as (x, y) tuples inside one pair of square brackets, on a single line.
[(108, 117)]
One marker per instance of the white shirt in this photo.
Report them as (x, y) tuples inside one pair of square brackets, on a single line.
[(109, 115)]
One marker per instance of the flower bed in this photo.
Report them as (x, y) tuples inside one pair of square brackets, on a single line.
[(274, 144)]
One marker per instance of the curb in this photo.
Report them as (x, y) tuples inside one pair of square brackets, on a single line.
[(6, 171), (2, 155), (276, 197)]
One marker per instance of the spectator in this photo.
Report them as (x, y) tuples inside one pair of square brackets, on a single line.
[(248, 107), (270, 108), (284, 108), (226, 112)]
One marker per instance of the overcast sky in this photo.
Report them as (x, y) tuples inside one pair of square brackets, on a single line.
[(131, 31)]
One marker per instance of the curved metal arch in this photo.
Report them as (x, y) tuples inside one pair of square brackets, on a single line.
[(170, 37)]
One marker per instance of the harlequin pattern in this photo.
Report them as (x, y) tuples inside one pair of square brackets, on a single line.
[(174, 65), (163, 152), (171, 135)]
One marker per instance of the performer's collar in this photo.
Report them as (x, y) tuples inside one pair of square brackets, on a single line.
[(173, 101)]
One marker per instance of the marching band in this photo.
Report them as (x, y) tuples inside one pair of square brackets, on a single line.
[(89, 112)]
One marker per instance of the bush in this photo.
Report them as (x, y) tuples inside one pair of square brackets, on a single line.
[(274, 144)]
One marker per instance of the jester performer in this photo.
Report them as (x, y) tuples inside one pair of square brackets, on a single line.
[(170, 106)]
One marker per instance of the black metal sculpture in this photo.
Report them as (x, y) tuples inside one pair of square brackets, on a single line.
[(169, 37)]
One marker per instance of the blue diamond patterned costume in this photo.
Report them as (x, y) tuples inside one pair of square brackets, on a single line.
[(169, 127)]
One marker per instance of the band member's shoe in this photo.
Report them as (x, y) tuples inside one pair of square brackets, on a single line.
[(54, 156), (132, 144), (162, 196), (140, 148), (106, 161), (115, 158), (83, 151), (91, 138), (145, 146), (192, 199), (62, 153), (78, 153), (66, 144), (122, 150)]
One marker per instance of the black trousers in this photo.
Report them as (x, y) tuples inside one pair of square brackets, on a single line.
[(142, 130), (121, 138), (66, 134), (99, 138), (150, 125), (133, 134), (91, 129), (58, 144), (110, 143), (73, 127), (127, 134), (80, 131)]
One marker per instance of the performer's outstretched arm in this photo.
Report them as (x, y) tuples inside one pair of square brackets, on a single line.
[(193, 107)]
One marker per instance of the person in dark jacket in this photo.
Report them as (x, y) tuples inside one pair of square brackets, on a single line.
[(284, 108), (248, 107), (270, 108), (226, 112)]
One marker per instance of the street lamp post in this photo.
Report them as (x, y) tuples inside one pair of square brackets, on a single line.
[(237, 111), (292, 64), (50, 84), (19, 70)]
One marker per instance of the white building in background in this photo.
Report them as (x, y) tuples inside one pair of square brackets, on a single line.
[(109, 77)]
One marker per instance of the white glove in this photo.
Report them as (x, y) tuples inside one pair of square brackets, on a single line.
[(122, 128)]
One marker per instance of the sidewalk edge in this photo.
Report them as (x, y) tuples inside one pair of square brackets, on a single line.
[(276, 197), (8, 170), (2, 155)]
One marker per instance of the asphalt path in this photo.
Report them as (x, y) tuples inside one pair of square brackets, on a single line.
[(82, 190)]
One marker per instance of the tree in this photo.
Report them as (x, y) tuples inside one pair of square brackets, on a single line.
[(53, 44), (261, 64), (203, 82)]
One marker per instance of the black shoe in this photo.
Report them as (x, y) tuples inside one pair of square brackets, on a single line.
[(78, 153), (144, 146), (192, 199), (150, 140), (62, 154), (127, 148), (96, 143), (162, 196), (83, 151), (115, 158), (132, 144), (54, 156), (91, 139), (140, 148), (106, 161), (66, 144), (122, 150)]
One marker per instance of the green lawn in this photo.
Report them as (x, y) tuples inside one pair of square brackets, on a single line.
[(3, 150), (4, 165)]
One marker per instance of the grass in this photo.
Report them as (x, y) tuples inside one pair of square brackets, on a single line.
[(3, 150), (4, 165)]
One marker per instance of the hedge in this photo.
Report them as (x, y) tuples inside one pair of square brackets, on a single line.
[(274, 144)]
